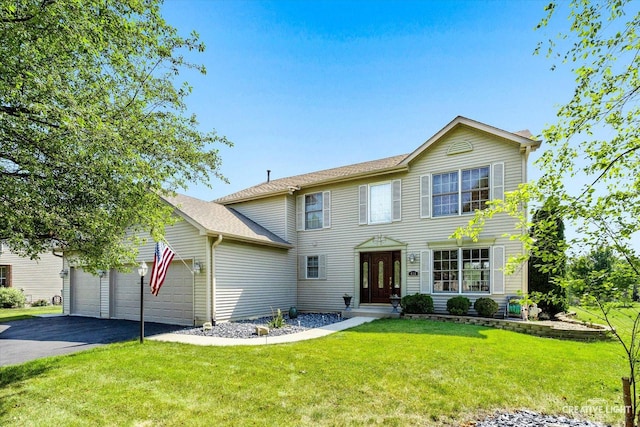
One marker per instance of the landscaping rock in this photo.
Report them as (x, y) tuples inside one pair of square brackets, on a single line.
[(533, 419), (248, 328)]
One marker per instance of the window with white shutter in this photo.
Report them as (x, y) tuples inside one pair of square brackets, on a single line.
[(313, 211), (425, 196), (380, 203)]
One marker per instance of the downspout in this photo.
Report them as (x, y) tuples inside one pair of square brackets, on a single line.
[(212, 277)]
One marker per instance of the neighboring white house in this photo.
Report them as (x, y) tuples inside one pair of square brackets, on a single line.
[(371, 230), (38, 279)]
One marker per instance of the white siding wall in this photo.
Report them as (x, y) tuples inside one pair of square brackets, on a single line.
[(40, 279), (339, 242), (252, 280)]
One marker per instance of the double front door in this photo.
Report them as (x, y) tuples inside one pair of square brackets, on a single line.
[(379, 276)]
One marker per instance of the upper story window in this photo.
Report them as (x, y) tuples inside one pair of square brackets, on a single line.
[(474, 189), (380, 203), (313, 211), (460, 192)]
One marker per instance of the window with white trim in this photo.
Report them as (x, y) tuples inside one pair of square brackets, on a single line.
[(460, 192), (5, 276), (313, 211), (312, 267), (380, 203), (469, 267)]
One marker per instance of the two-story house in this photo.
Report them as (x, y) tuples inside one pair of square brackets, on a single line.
[(369, 230)]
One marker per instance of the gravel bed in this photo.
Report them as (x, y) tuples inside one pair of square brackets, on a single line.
[(247, 328), (533, 419)]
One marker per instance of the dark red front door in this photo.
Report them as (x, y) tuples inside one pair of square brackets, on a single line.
[(379, 276)]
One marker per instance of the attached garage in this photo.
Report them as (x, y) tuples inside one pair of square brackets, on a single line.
[(173, 305), (85, 291)]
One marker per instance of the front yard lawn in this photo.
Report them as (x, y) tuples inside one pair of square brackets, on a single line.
[(388, 372), (10, 314)]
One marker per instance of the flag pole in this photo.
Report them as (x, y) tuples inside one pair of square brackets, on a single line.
[(179, 257)]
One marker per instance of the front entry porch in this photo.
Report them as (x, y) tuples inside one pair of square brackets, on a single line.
[(378, 311)]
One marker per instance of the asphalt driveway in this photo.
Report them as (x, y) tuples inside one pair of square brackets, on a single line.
[(29, 339)]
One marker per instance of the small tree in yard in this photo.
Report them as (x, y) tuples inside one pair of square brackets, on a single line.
[(596, 140)]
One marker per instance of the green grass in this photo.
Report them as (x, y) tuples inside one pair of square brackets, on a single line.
[(388, 372), (621, 319), (10, 314)]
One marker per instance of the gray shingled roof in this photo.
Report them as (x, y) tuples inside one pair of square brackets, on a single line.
[(283, 185), (214, 218)]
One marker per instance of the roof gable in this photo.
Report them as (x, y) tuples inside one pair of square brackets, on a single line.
[(522, 138)]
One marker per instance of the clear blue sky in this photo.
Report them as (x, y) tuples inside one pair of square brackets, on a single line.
[(300, 86)]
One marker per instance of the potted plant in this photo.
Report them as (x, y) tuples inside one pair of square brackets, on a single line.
[(395, 301), (347, 301)]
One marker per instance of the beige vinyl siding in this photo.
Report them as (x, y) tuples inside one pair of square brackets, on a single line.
[(251, 281), (40, 279), (189, 245), (270, 213), (415, 234), (186, 240)]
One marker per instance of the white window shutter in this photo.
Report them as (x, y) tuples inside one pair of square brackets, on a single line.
[(363, 208), (497, 181), (322, 267), (396, 199), (497, 272), (302, 267), (425, 196), (300, 213), (425, 272), (326, 209)]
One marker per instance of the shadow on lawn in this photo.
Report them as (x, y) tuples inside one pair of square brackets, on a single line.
[(424, 327), (16, 373)]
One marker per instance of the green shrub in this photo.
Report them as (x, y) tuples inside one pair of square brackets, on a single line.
[(486, 307), (40, 303), (417, 304), (458, 305), (11, 298)]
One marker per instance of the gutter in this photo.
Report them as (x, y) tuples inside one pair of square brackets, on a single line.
[(212, 279)]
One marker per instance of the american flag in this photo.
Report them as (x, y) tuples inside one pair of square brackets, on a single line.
[(161, 261)]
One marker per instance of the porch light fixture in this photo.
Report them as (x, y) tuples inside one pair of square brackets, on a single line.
[(412, 258), (142, 271), (102, 273), (197, 267), (63, 273)]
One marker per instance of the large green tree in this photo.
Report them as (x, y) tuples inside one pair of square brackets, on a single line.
[(547, 263), (94, 127)]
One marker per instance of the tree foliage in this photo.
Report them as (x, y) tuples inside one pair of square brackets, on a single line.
[(93, 125), (602, 275)]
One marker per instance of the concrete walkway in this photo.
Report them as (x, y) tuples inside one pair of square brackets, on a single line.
[(299, 336)]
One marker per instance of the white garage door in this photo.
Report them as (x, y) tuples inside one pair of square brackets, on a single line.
[(173, 305), (85, 293)]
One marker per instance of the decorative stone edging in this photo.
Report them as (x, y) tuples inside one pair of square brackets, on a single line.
[(596, 333)]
